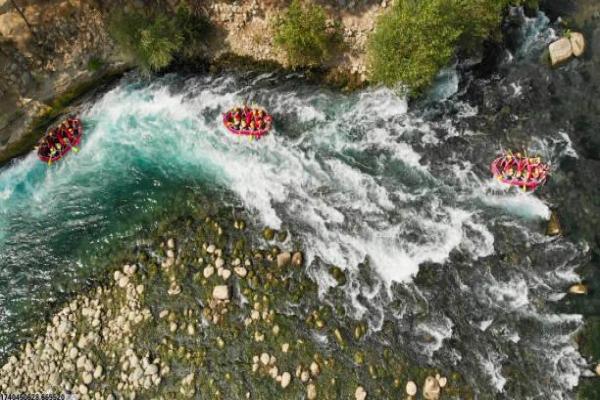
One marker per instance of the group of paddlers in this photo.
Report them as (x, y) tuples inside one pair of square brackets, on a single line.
[(520, 170), (57, 139), (248, 119)]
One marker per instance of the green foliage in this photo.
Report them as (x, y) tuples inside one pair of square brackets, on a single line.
[(303, 34), (194, 29), (153, 41), (94, 64), (416, 38)]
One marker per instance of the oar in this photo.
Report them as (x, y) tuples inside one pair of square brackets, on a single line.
[(50, 158)]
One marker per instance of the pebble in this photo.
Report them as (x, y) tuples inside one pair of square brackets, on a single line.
[(304, 376), (86, 377), (171, 243), (123, 281), (151, 369), (225, 274), (219, 262), (211, 249), (285, 347), (240, 271)]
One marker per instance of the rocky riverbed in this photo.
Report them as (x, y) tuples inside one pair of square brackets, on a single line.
[(198, 309)]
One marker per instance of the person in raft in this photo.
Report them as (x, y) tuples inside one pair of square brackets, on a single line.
[(248, 119)]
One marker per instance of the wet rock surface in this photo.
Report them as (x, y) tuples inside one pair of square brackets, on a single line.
[(131, 337)]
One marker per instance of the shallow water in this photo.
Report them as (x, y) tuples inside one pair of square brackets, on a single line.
[(459, 262)]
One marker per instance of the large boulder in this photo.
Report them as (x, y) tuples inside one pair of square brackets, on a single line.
[(560, 51), (577, 43)]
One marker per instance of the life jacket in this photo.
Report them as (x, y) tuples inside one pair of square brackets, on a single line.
[(60, 138), (248, 117)]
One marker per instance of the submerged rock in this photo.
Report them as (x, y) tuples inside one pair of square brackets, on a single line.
[(283, 259), (578, 288), (553, 227)]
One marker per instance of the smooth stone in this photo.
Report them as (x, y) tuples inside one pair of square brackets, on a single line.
[(123, 281), (240, 271), (411, 388), (443, 381), (208, 271), (264, 358), (560, 51), (314, 369), (225, 274), (219, 262), (311, 391), (220, 292), (597, 369), (283, 259), (151, 369), (577, 43), (578, 288), (297, 259), (171, 243), (431, 389), (360, 393), (87, 378), (286, 378), (98, 371)]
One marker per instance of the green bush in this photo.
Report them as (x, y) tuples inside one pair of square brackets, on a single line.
[(153, 41), (416, 38), (94, 64), (303, 34)]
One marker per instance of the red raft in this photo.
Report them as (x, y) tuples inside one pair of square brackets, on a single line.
[(59, 141), (527, 173), (252, 122)]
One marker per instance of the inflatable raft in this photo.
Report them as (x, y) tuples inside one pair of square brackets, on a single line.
[(60, 140), (527, 173), (229, 123)]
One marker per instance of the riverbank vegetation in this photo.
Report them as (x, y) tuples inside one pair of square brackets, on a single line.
[(303, 33), (415, 39), (153, 40)]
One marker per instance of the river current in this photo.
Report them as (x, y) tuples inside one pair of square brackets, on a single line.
[(458, 261)]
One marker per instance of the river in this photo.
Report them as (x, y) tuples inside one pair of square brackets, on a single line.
[(460, 263)]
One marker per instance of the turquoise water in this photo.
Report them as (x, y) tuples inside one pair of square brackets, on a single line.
[(357, 178)]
